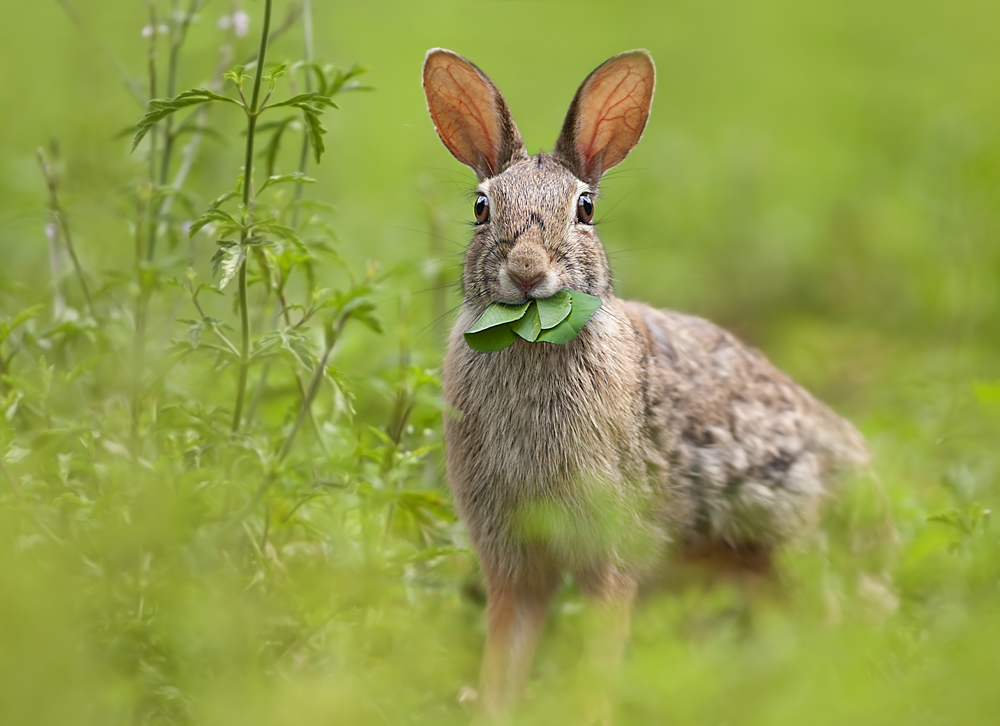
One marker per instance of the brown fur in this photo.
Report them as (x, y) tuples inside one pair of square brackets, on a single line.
[(648, 428)]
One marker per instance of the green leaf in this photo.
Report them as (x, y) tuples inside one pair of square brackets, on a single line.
[(490, 340), (296, 177), (529, 325), (583, 308), (562, 333), (228, 259), (236, 75), (553, 310), (304, 99), (297, 344), (315, 131), (498, 314), (364, 312), (274, 144), (342, 81), (221, 199), (280, 230), (9, 325), (276, 72), (160, 108), (213, 215), (318, 71), (557, 319)]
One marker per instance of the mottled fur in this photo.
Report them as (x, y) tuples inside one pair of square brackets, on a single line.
[(649, 428)]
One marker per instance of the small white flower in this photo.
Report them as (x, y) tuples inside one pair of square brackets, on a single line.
[(51, 231), (161, 29), (186, 226), (239, 21)]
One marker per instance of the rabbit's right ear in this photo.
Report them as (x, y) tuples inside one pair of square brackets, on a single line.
[(470, 115)]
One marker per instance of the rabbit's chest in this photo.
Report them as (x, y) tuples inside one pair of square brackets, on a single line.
[(534, 418)]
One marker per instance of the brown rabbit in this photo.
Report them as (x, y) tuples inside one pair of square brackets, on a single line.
[(649, 432)]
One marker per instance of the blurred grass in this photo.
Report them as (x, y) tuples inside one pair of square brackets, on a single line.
[(821, 178)]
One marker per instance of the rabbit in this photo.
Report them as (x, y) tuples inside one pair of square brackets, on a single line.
[(649, 433)]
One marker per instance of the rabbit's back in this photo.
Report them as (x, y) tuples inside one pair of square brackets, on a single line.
[(750, 452)]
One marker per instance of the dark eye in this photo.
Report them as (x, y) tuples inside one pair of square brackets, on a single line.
[(585, 209), (482, 209)]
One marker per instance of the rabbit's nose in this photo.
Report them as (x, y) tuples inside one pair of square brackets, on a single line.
[(525, 280)]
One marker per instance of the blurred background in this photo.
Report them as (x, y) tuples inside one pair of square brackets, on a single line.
[(821, 178)]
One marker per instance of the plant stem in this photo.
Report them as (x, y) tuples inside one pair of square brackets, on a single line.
[(177, 41), (142, 303), (59, 218), (268, 479), (307, 32), (241, 384)]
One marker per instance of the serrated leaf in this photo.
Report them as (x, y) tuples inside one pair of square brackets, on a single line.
[(342, 81), (303, 99), (194, 334), (276, 72), (364, 313), (274, 143), (212, 215), (298, 345), (498, 314), (490, 340), (160, 108), (529, 325), (296, 177), (281, 230), (236, 75), (228, 259), (315, 131), (553, 310)]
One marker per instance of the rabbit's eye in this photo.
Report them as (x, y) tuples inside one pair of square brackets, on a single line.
[(585, 209), (482, 209)]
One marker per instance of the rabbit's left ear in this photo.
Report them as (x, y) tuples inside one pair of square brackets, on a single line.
[(470, 114), (607, 115)]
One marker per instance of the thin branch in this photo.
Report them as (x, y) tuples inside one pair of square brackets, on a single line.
[(241, 384), (272, 474), (59, 218)]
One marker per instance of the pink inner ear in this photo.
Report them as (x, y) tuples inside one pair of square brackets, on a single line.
[(613, 111), (463, 108)]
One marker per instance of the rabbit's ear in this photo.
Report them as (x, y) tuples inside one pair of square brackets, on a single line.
[(607, 115), (470, 115)]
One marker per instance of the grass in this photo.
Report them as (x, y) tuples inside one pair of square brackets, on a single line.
[(821, 180)]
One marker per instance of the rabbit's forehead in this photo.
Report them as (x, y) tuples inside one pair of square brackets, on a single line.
[(533, 184)]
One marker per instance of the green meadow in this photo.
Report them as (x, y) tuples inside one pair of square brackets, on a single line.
[(823, 179)]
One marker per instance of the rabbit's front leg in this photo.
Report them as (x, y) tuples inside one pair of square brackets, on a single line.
[(515, 612), (611, 596)]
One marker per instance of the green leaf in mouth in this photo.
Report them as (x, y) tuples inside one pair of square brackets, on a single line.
[(490, 339), (557, 319), (499, 314), (529, 326), (553, 310)]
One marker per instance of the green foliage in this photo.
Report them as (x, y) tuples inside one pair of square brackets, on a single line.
[(555, 319), (818, 178), (163, 107)]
